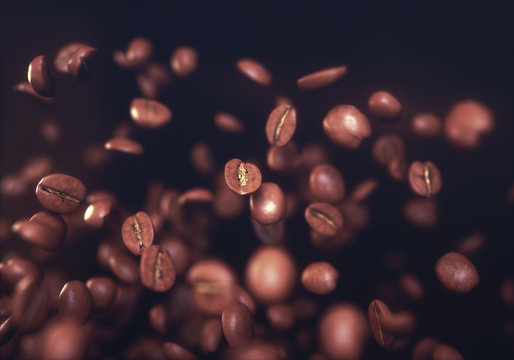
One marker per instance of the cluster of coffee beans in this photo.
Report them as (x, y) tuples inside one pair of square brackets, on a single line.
[(160, 282)]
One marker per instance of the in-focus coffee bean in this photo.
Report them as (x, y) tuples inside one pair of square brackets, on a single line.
[(149, 114), (243, 178), (346, 126), (255, 71), (324, 218), (320, 278), (157, 269), (60, 193), (40, 77), (138, 232), (281, 125), (384, 106), (456, 273), (425, 178)]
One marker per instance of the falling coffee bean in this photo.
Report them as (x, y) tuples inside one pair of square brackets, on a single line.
[(124, 145), (268, 204), (184, 61), (139, 52), (40, 77), (237, 323), (60, 193), (322, 78), (157, 269), (228, 123), (425, 178), (327, 184), (149, 114), (64, 55), (320, 278), (456, 273), (346, 126), (324, 218), (83, 63), (426, 125), (255, 71), (243, 178), (384, 106), (378, 313), (281, 125), (138, 232), (75, 301)]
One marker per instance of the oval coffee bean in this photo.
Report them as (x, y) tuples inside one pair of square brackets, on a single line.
[(124, 267), (445, 352), (96, 213), (16, 269), (322, 78), (384, 106), (425, 178), (378, 313), (426, 125), (60, 193), (243, 178), (255, 71), (327, 184), (176, 352), (103, 292), (456, 273), (75, 301), (157, 269), (237, 323), (211, 335), (424, 348), (184, 61), (138, 232), (139, 52), (324, 218), (202, 158), (388, 147), (83, 63), (44, 229), (30, 303), (421, 212), (7, 330), (280, 316), (40, 77), (64, 55), (63, 339), (364, 189), (346, 126), (268, 204), (25, 89), (196, 195), (281, 125), (282, 159), (149, 114), (320, 278), (228, 123), (124, 145)]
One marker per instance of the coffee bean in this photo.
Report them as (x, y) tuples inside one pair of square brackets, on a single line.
[(124, 267), (237, 323), (364, 189), (179, 252), (75, 301), (7, 329), (241, 295), (346, 126), (324, 218), (63, 339), (50, 131), (15, 269), (60, 193), (268, 204), (388, 147), (211, 335), (29, 93), (424, 178), (261, 350), (378, 313), (322, 78), (83, 63), (281, 125), (472, 244), (282, 159), (184, 61), (269, 234), (320, 278), (157, 269), (228, 123), (153, 79), (30, 303), (424, 348), (45, 230), (196, 195), (426, 125), (95, 214), (124, 145), (255, 71), (326, 184), (138, 232), (227, 204), (384, 106), (411, 287), (421, 212), (243, 178), (149, 114), (64, 55), (445, 352), (40, 77), (139, 52), (343, 318), (456, 273), (157, 317), (202, 158), (397, 169), (271, 274), (176, 352), (103, 292), (96, 156), (280, 316)]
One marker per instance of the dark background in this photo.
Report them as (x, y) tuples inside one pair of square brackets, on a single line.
[(428, 56)]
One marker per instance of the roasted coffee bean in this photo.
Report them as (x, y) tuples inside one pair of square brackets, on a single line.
[(14, 186), (364, 189), (426, 125), (421, 212), (139, 52), (7, 329), (471, 245), (388, 147), (280, 316), (202, 158), (124, 267), (322, 78), (255, 71), (138, 232), (196, 195), (327, 184), (75, 301), (153, 79), (271, 274), (157, 269), (258, 350), (445, 352), (96, 213), (241, 295), (149, 114), (29, 93), (243, 178), (281, 159), (228, 123), (378, 314), (268, 204), (15, 269), (320, 278), (60, 193), (227, 204), (84, 63), (184, 61), (211, 335), (179, 252), (456, 273), (411, 287), (30, 303), (424, 348), (346, 126), (347, 319), (384, 106), (103, 292), (269, 234), (237, 323), (63, 339), (176, 352), (424, 178), (324, 218), (40, 77), (45, 230), (64, 55), (124, 145), (281, 125), (157, 318)]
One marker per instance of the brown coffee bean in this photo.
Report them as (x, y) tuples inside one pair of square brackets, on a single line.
[(388, 147), (179, 252), (456, 273), (138, 232), (281, 125), (243, 178), (75, 301), (227, 204), (320, 278), (241, 295), (269, 234), (60, 193), (63, 339), (268, 204), (471, 245), (40, 77), (424, 348), (255, 71), (154, 77), (30, 303), (346, 126), (378, 314), (96, 156), (139, 52), (228, 123), (124, 267), (149, 114), (184, 61), (64, 55), (103, 292), (327, 184), (237, 323), (425, 178), (397, 169), (176, 352), (211, 335), (29, 93), (157, 318), (283, 100), (124, 145), (7, 329), (280, 316), (445, 352), (83, 63), (157, 269), (202, 158), (45, 230), (322, 78), (411, 287), (343, 318), (507, 292), (258, 349), (196, 195), (15, 269), (426, 125), (421, 212), (364, 189), (384, 106), (95, 214), (282, 159), (271, 274), (324, 218), (50, 131)]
